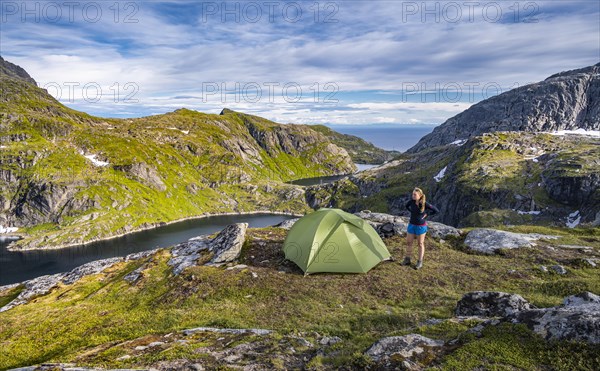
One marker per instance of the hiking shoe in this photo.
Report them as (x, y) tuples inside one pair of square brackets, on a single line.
[(419, 264), (406, 261)]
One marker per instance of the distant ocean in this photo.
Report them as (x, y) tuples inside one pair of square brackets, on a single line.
[(389, 137)]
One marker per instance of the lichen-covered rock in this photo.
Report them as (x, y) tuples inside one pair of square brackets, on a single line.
[(411, 348), (92, 267), (577, 319), (490, 304), (378, 217), (187, 253), (581, 299), (488, 241), (134, 275), (43, 284), (559, 269), (228, 243), (287, 224), (225, 247), (439, 230), (34, 287)]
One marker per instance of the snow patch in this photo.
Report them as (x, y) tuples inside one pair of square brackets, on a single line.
[(533, 212), (4, 229), (573, 219), (183, 131), (459, 142), (580, 131), (95, 161), (440, 175)]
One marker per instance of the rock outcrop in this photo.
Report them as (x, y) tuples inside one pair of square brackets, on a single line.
[(488, 241), (577, 319), (564, 101), (388, 225), (287, 224), (490, 304), (225, 248), (408, 350), (43, 284), (12, 70)]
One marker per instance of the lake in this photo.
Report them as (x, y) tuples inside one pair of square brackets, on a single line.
[(327, 179), (18, 266)]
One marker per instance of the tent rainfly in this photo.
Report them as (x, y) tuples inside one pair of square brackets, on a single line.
[(332, 240)]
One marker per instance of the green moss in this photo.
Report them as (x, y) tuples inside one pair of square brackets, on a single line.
[(516, 347), (389, 300)]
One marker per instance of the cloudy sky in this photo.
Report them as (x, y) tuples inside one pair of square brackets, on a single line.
[(334, 62)]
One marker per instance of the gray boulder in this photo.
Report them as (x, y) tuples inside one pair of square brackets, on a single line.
[(439, 230), (228, 244), (134, 275), (412, 348), (490, 304), (93, 267), (581, 299), (578, 319), (186, 254), (379, 217), (287, 224), (487, 241), (226, 247), (559, 269)]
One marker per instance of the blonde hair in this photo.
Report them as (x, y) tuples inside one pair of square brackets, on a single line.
[(421, 200)]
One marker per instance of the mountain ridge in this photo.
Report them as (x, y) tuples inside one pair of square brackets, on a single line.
[(68, 177), (567, 100)]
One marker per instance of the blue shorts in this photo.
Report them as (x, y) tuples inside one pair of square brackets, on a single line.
[(416, 229)]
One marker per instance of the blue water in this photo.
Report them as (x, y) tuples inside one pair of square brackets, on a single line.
[(389, 137), (17, 266)]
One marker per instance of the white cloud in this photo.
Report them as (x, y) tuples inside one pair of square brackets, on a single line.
[(370, 49)]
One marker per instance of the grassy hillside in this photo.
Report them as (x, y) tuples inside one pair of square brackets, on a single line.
[(68, 177), (101, 319), (496, 178)]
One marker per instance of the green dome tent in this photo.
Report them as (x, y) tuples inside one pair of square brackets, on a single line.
[(332, 240)]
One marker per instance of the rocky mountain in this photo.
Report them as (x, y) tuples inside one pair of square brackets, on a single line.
[(361, 151), (485, 299), (68, 177), (565, 101), (12, 70), (502, 161), (493, 179)]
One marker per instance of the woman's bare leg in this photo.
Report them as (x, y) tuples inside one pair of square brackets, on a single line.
[(421, 243), (409, 244)]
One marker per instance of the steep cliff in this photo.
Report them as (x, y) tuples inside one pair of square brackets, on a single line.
[(564, 101)]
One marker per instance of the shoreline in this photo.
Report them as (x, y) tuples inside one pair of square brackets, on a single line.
[(153, 226)]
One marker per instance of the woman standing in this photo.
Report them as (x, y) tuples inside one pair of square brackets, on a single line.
[(417, 226)]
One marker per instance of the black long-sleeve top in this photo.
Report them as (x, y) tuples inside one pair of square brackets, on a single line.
[(416, 216)]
